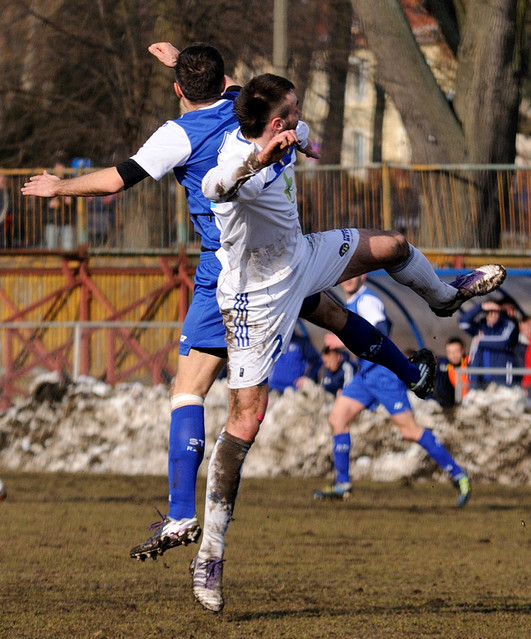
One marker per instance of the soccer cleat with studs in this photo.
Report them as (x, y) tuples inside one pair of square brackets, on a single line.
[(425, 362), (481, 281), (462, 483), (167, 534), (342, 491), (207, 583)]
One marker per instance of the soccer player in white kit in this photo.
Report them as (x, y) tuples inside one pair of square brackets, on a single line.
[(268, 268)]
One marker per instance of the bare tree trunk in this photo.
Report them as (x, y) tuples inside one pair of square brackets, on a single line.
[(434, 132), (487, 99), (341, 23)]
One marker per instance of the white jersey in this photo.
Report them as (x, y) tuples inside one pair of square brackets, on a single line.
[(261, 237)]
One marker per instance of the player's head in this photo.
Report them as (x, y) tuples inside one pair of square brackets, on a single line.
[(455, 350), (200, 72), (353, 285), (267, 99), (332, 358)]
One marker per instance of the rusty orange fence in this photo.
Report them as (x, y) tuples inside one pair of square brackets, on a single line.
[(80, 317)]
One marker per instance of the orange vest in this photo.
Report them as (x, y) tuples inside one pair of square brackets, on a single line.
[(452, 375)]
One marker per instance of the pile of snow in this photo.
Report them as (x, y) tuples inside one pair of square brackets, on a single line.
[(92, 427)]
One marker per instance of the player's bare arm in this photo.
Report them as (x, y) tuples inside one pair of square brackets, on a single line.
[(103, 182), (165, 52), (310, 152)]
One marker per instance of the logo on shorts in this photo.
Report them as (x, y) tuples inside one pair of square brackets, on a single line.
[(183, 338), (343, 248), (241, 372)]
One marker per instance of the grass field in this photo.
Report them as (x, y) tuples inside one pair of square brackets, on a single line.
[(394, 561)]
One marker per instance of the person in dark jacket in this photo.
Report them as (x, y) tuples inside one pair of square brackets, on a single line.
[(299, 362), (494, 337)]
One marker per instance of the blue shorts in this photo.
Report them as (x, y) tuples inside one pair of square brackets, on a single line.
[(379, 386), (203, 324)]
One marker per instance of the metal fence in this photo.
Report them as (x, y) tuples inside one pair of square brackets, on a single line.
[(446, 207), (511, 374)]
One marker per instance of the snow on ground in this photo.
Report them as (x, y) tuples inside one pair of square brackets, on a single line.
[(93, 427)]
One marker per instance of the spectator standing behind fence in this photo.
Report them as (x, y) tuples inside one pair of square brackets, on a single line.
[(373, 385), (494, 338), (300, 361), (60, 216), (449, 371), (338, 369), (101, 220)]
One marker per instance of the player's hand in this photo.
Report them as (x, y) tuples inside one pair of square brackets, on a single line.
[(310, 152), (276, 148), (165, 52), (44, 185)]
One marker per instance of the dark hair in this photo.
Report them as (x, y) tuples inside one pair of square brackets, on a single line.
[(327, 349), (258, 101), (455, 340), (199, 72)]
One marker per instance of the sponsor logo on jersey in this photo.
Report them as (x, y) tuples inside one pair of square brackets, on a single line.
[(343, 248), (347, 235)]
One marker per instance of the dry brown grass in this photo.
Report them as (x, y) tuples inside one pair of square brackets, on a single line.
[(395, 561)]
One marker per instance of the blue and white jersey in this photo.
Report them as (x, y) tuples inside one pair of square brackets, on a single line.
[(261, 237), (189, 146), (368, 305)]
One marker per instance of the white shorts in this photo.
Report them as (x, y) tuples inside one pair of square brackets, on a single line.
[(259, 324)]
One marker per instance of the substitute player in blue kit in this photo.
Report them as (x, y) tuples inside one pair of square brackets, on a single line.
[(373, 385), (188, 146)]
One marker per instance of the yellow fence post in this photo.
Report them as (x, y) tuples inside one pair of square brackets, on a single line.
[(386, 198)]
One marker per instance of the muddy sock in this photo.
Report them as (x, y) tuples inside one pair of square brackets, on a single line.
[(223, 482)]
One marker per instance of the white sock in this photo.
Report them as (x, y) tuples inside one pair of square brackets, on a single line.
[(418, 274)]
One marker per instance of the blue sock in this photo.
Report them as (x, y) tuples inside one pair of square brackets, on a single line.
[(360, 337), (342, 457), (187, 448), (439, 454)]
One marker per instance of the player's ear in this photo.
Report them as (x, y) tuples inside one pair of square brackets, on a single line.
[(177, 90), (277, 124)]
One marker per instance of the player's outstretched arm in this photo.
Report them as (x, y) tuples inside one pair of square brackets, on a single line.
[(165, 52), (103, 182)]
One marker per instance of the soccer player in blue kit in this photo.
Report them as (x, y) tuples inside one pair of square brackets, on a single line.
[(189, 146), (373, 385)]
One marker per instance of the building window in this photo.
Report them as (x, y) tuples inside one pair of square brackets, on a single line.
[(359, 145), (359, 71)]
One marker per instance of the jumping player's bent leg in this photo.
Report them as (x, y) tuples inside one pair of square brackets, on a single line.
[(408, 266)]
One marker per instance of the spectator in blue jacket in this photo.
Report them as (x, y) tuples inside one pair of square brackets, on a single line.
[(494, 337), (299, 362)]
